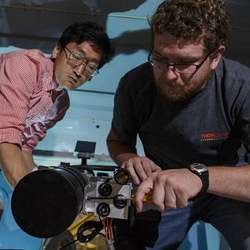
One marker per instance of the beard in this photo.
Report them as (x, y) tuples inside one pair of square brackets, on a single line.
[(174, 92)]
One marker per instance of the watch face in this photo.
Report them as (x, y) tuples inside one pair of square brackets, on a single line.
[(198, 167)]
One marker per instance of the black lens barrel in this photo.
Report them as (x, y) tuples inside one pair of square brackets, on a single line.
[(45, 202)]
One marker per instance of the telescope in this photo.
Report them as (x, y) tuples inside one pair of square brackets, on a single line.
[(46, 202)]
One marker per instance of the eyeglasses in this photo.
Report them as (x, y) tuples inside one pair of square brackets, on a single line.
[(76, 59), (182, 68)]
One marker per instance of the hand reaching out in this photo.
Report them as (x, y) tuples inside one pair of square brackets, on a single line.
[(140, 168), (170, 189)]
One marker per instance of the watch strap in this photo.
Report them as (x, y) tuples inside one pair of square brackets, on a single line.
[(204, 176)]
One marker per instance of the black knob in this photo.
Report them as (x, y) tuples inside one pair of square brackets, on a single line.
[(119, 201), (105, 189), (103, 209), (121, 176)]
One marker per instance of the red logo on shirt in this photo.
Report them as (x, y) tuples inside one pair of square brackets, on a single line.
[(213, 136)]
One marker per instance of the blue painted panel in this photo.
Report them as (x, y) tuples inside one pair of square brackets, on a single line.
[(109, 76), (11, 236), (88, 119)]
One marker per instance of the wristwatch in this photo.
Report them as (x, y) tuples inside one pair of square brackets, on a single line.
[(201, 171)]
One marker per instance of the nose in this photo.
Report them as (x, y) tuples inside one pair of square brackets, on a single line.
[(170, 72), (79, 70)]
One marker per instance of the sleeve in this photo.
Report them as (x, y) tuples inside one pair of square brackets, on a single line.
[(38, 132), (245, 122), (17, 78), (124, 123), (56, 113)]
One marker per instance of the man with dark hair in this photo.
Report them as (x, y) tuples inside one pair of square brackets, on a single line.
[(33, 91), (190, 107)]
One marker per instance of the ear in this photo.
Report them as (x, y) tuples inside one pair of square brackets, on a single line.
[(216, 57), (56, 51)]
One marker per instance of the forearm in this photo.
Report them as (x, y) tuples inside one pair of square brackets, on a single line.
[(120, 152), (13, 163), (230, 182), (28, 158)]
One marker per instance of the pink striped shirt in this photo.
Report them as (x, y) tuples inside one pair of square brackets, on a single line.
[(28, 106)]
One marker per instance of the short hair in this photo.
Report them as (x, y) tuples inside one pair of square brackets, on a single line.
[(190, 19), (88, 31)]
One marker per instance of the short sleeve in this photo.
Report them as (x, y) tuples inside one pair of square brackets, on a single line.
[(37, 130), (245, 122)]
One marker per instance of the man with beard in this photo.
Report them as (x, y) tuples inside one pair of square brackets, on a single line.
[(190, 107)]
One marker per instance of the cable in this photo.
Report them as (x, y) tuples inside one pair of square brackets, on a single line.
[(83, 234), (68, 244)]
